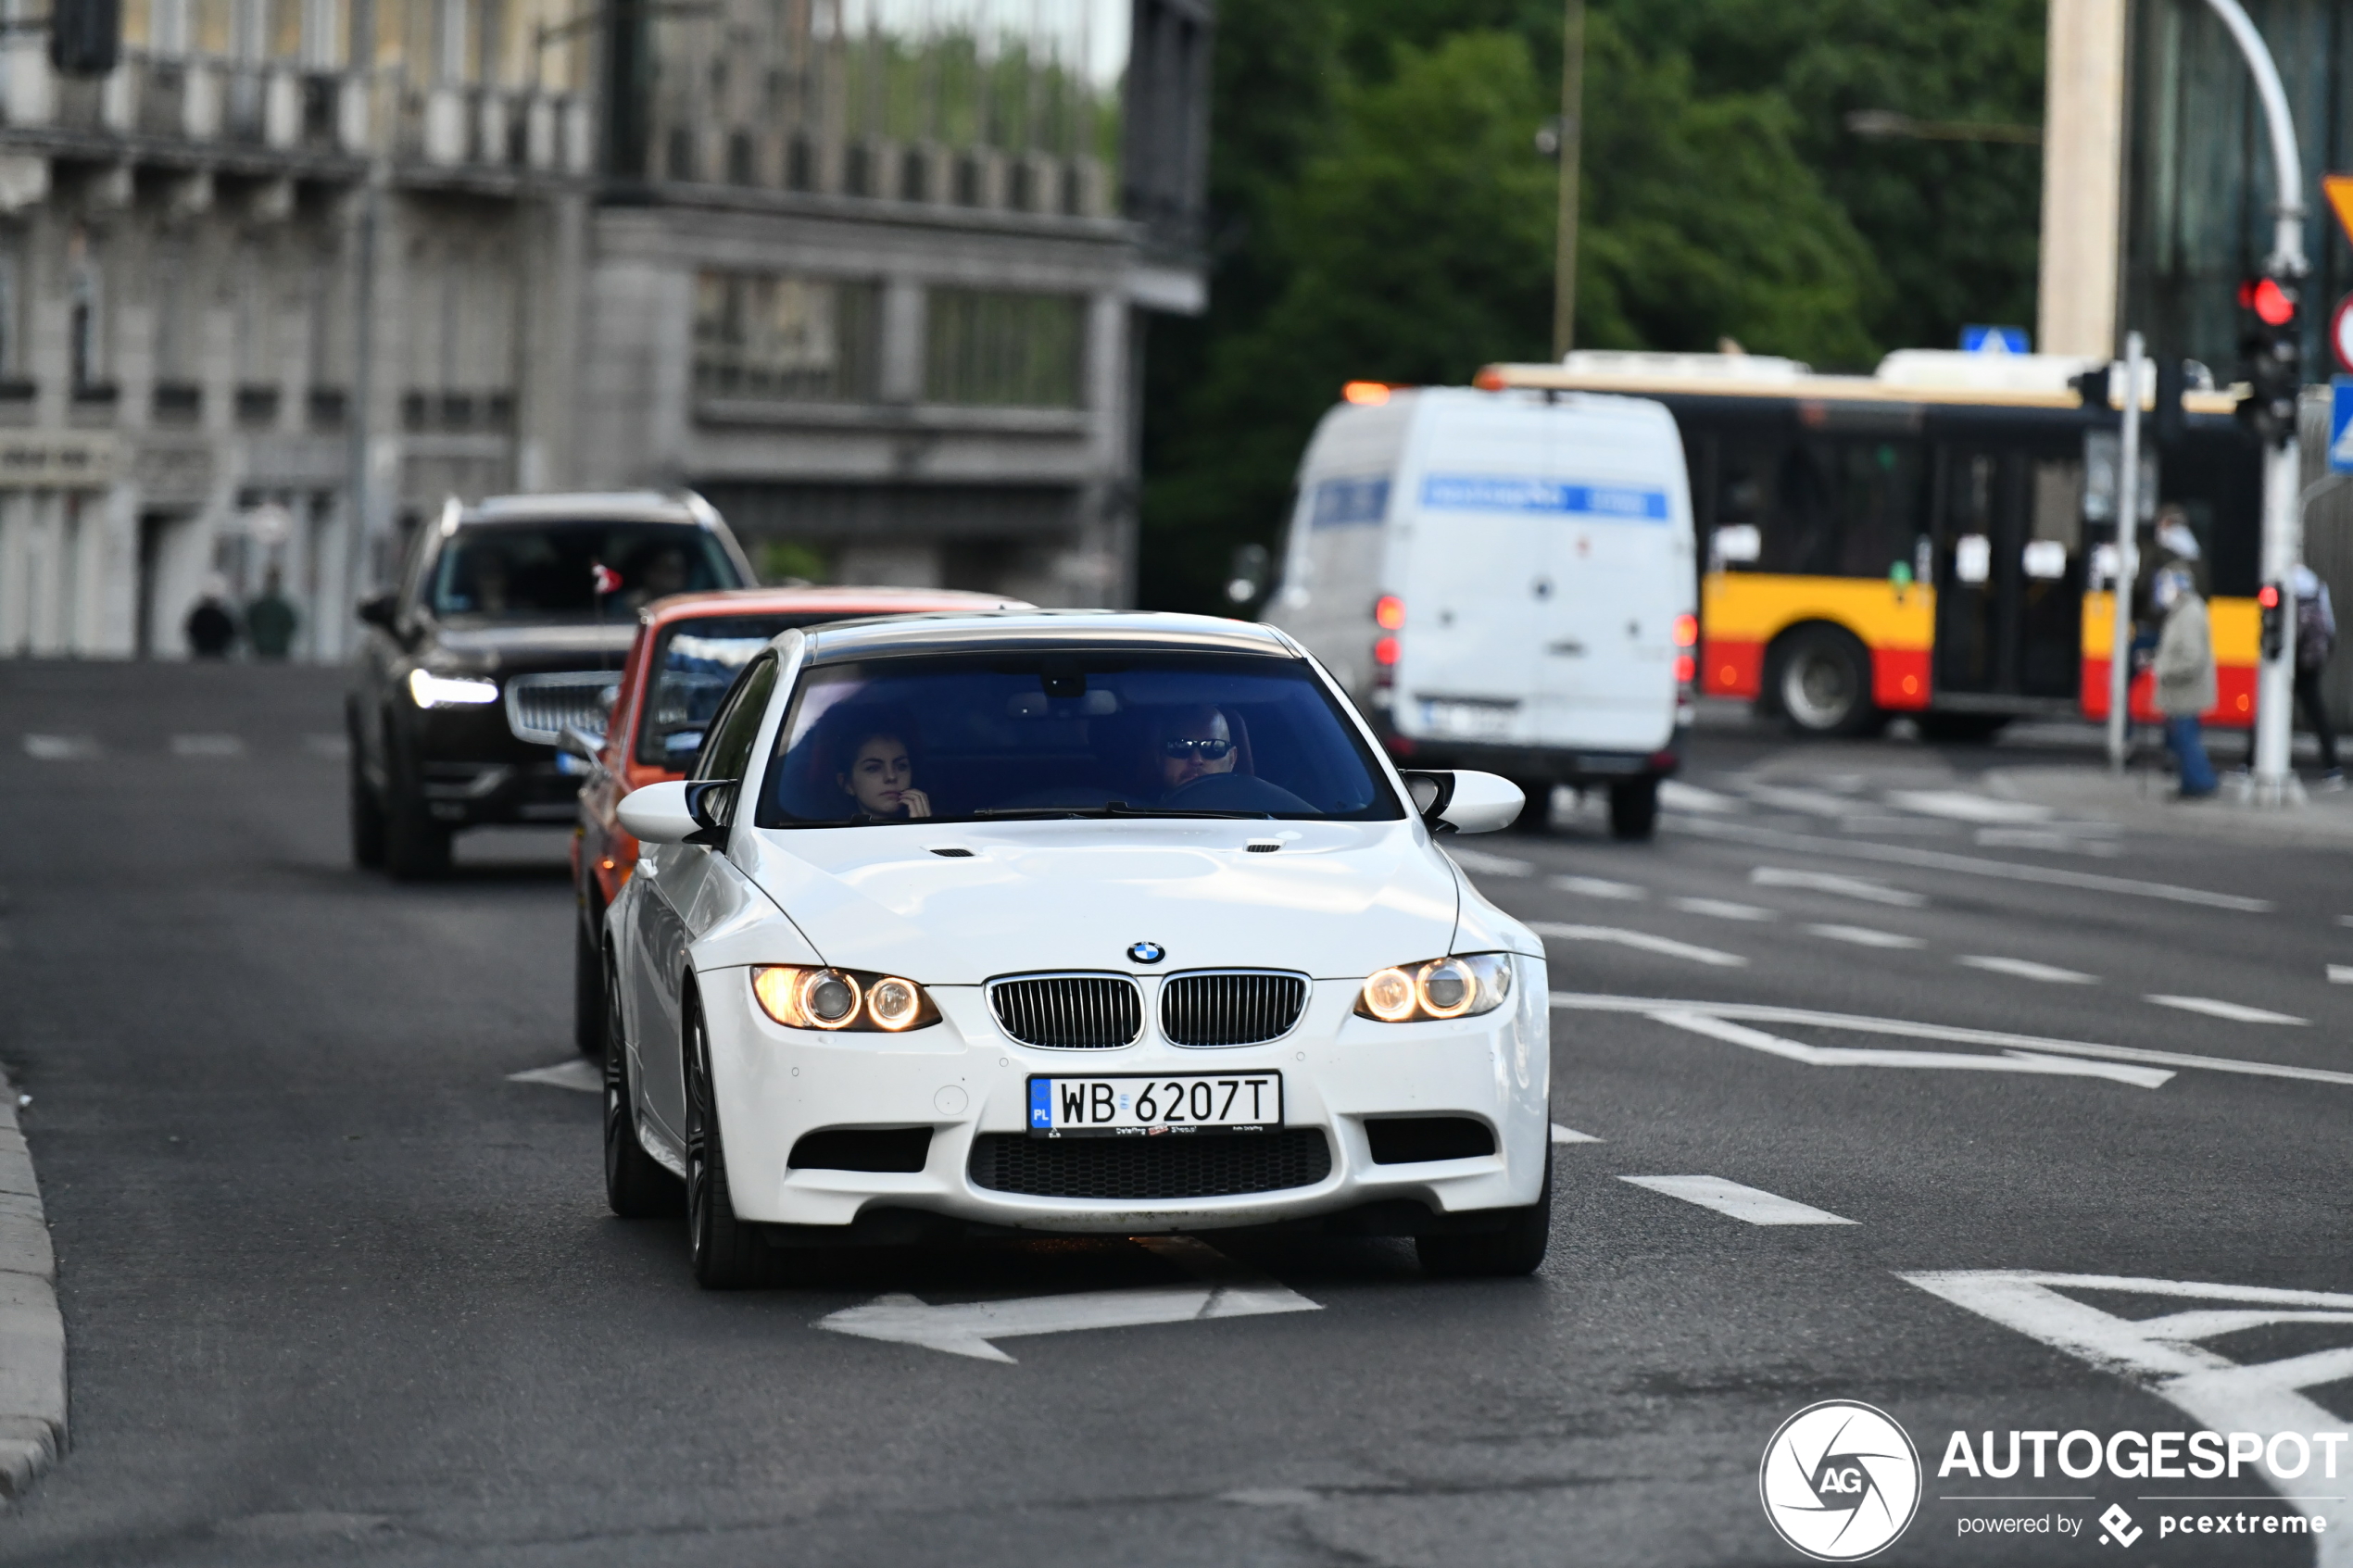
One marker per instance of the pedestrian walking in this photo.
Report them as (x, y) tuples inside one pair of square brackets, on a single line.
[(2185, 686), (271, 619), (2315, 640), (212, 626)]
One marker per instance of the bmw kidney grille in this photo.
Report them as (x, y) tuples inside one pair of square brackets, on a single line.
[(1231, 1006), (1069, 1011)]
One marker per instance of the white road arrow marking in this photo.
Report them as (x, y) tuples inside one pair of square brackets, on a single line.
[(1866, 936), (1754, 1205), (578, 1073), (1227, 1289), (1846, 1056), (1570, 1134), (1639, 939), (1844, 887), (2163, 1354), (1962, 807), (2234, 1012), (1766, 1012), (2341, 973)]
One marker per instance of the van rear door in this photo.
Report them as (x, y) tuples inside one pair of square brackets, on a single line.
[(1471, 613), (1615, 570)]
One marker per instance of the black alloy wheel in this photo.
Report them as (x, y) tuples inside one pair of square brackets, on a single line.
[(636, 1184), (591, 1030), (1518, 1249), (1633, 808), (727, 1254)]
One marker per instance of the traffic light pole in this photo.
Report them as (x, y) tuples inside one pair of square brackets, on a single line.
[(2128, 559), (2283, 463)]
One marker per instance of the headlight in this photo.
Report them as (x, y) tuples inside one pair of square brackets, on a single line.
[(1462, 986), (428, 690), (841, 999)]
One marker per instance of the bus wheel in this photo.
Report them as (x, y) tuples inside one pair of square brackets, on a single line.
[(1822, 679), (1633, 808)]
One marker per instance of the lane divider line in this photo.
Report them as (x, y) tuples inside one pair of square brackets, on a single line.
[(2026, 969), (1866, 936), (1720, 909), (1848, 1055), (1764, 1012), (1843, 887), (1600, 887), (1642, 940), (1753, 1205), (1569, 1135), (1967, 865), (2235, 1013)]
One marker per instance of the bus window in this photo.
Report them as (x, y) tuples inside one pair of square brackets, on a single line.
[(1821, 507)]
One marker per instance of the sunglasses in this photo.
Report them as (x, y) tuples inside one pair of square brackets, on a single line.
[(1207, 751)]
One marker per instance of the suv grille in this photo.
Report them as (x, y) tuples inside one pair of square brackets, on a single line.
[(1069, 1011), (1176, 1165), (1233, 1007), (538, 707)]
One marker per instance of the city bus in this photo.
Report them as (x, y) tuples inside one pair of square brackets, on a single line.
[(1936, 539)]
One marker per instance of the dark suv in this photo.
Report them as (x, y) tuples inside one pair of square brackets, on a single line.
[(510, 622)]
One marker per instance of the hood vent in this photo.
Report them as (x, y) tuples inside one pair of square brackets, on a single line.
[(951, 852), (1264, 845)]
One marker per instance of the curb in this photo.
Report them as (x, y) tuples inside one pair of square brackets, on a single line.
[(32, 1331)]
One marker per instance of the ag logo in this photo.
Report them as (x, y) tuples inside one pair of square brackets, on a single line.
[(1148, 952), (1840, 1481)]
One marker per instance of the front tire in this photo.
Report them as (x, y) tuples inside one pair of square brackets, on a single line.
[(1821, 680), (367, 821), (416, 848), (1518, 1249), (635, 1187), (727, 1254), (1633, 808)]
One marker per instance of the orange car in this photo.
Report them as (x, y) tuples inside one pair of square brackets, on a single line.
[(687, 650)]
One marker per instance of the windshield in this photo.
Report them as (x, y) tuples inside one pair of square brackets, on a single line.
[(689, 670), (572, 571), (1081, 733)]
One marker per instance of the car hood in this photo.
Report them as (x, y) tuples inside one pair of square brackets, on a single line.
[(1337, 900), (554, 646)]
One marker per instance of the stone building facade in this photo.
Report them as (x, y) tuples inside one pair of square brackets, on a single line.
[(868, 272)]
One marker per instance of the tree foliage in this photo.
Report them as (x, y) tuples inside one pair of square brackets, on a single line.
[(1381, 211)]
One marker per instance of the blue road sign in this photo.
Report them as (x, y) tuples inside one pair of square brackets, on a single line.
[(1993, 340), (2340, 424)]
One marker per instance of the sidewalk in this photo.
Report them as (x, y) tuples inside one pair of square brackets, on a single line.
[(2141, 800)]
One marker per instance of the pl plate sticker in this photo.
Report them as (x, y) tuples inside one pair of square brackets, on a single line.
[(1840, 1481)]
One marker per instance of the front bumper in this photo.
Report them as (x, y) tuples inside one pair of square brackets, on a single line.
[(964, 1079), (470, 769)]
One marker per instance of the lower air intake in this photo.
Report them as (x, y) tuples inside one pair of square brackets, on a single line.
[(1409, 1140), (1177, 1165)]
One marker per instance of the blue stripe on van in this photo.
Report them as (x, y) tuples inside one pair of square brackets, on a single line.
[(1349, 503), (1495, 492)]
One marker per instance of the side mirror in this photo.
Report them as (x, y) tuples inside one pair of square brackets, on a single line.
[(380, 610), (1464, 801), (696, 811)]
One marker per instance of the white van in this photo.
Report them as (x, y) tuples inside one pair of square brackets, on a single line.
[(1504, 581)]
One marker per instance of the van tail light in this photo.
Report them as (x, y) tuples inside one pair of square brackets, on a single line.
[(1687, 631), (1388, 613), (1385, 653), (1686, 669), (1365, 394)]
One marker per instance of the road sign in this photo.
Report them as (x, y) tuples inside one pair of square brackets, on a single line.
[(2341, 425), (2339, 189), (2341, 334), (1994, 340)]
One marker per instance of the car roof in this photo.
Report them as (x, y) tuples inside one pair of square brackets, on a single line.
[(1037, 630), (614, 505), (846, 600)]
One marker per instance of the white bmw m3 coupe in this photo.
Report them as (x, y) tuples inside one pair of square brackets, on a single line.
[(1066, 923)]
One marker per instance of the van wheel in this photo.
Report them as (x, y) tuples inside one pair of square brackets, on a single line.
[(1536, 816), (1633, 808), (1821, 681)]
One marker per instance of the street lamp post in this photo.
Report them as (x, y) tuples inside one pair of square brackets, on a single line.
[(2283, 463)]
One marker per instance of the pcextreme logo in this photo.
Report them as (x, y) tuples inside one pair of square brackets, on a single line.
[(1840, 1481)]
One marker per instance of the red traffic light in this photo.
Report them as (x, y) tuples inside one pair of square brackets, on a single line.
[(2268, 595), (2272, 304)]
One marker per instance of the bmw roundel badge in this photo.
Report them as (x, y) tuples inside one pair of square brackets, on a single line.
[(1148, 952)]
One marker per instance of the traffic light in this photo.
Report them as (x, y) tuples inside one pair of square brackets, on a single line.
[(2273, 605), (86, 36), (2272, 359)]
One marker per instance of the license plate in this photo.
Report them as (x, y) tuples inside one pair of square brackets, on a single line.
[(1469, 721), (1137, 1108)]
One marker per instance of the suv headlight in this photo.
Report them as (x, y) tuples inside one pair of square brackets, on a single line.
[(429, 690), (1462, 986), (841, 999)]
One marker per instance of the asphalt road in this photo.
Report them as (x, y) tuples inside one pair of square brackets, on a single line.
[(337, 1288)]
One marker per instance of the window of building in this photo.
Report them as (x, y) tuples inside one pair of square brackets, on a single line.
[(782, 337), (1001, 350), (85, 328)]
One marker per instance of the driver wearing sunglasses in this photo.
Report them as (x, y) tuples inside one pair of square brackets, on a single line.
[(1192, 743)]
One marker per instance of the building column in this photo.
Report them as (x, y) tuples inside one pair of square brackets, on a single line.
[(2083, 179)]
